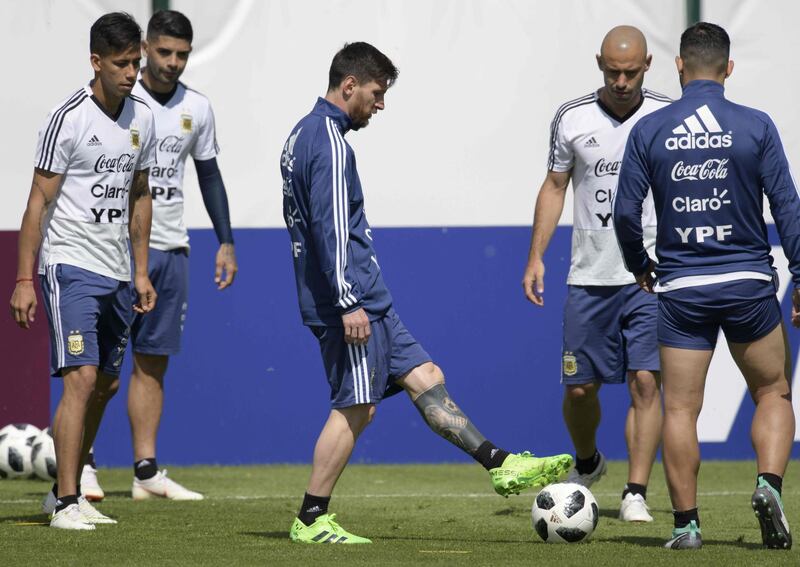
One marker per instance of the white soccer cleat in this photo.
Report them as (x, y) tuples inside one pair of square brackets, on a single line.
[(90, 488), (92, 514), (70, 518), (634, 509), (588, 479), (49, 503), (160, 486)]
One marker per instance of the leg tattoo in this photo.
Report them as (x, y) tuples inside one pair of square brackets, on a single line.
[(445, 418)]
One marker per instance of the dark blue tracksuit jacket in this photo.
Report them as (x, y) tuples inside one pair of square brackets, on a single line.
[(709, 163), (335, 265)]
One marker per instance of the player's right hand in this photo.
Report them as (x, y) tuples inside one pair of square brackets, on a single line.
[(356, 327), (533, 282), (796, 307), (23, 304), (146, 292)]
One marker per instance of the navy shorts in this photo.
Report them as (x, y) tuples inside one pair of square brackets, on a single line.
[(159, 332), (367, 374), (90, 317), (608, 330), (691, 318)]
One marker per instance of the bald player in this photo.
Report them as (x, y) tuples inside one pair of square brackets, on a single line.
[(609, 325)]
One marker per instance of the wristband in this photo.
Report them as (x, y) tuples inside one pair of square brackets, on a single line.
[(24, 280)]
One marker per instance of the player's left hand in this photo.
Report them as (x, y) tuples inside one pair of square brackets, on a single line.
[(225, 265), (146, 292), (796, 307), (647, 279)]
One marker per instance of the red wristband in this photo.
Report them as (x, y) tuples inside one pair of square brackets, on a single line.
[(24, 280)]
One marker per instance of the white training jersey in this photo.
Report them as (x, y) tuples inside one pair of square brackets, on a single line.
[(97, 154), (184, 126), (589, 140)]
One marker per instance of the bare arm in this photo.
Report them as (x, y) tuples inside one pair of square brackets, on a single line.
[(44, 189), (549, 205), (140, 206)]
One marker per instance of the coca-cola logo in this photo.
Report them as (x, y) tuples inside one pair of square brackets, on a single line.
[(122, 164), (709, 169), (603, 168), (171, 144)]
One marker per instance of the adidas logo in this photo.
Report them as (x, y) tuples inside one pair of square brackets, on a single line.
[(699, 131), (591, 143), (314, 509), (95, 141)]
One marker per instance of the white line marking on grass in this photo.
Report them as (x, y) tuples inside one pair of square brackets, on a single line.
[(453, 551), (243, 497)]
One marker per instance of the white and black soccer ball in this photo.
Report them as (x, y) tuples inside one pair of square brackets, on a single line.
[(565, 513), (16, 442), (43, 455)]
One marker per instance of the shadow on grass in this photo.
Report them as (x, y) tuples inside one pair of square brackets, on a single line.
[(646, 541), (379, 538)]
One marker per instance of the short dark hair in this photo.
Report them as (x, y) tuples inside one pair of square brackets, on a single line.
[(705, 46), (114, 33), (364, 62), (171, 23)]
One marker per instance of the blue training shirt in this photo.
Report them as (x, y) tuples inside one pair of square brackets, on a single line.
[(709, 163), (336, 269)]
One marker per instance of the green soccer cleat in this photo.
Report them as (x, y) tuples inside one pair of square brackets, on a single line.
[(768, 507), (687, 537), (323, 530), (520, 471)]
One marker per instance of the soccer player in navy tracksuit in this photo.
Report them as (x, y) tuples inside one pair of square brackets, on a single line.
[(367, 352), (709, 163)]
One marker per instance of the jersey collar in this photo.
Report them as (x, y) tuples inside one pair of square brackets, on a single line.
[(703, 88), (113, 117), (610, 112), (339, 116)]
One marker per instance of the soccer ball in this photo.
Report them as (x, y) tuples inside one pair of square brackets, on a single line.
[(16, 441), (43, 455), (565, 513)]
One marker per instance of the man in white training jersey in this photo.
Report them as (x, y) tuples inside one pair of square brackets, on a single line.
[(89, 195), (609, 326), (184, 127)]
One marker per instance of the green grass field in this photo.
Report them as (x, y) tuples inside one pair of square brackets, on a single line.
[(417, 514)]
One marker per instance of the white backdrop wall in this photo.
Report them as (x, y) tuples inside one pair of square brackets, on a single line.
[(464, 137)]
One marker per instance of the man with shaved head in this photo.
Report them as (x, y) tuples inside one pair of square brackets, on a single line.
[(609, 326), (710, 163)]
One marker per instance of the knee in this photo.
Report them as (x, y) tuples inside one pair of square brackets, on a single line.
[(435, 375), (581, 394), (107, 388), (359, 417), (80, 382), (645, 388)]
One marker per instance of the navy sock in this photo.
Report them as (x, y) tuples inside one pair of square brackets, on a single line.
[(489, 455), (585, 466), (312, 508), (682, 519), (633, 488), (146, 468), (65, 501), (90, 460), (774, 481)]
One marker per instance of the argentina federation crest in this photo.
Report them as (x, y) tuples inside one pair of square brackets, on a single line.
[(186, 123), (135, 141), (75, 343), (570, 364)]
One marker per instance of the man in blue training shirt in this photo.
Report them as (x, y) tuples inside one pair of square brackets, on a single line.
[(709, 163), (367, 352)]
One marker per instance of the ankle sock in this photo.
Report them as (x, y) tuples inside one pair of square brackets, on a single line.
[(586, 466), (682, 519), (633, 488), (146, 468), (490, 456), (774, 481), (312, 508), (65, 501)]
